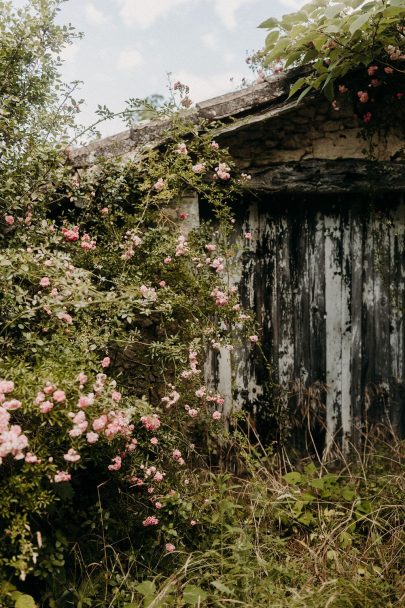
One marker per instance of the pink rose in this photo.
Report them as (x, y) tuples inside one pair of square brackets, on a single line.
[(106, 362), (62, 476), (59, 396), (9, 219), (254, 339), (170, 547), (216, 415), (45, 282)]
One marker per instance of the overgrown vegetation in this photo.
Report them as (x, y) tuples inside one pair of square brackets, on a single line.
[(112, 446)]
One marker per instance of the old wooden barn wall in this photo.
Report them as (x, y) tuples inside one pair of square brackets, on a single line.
[(325, 277)]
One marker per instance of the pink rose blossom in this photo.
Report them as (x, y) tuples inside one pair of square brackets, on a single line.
[(13, 404), (388, 70), (31, 458), (71, 456), (150, 521), (170, 547), (6, 386), (9, 219), (45, 282), (167, 260), (254, 339), (363, 96), (100, 423), (182, 149), (59, 396), (216, 415), (154, 440), (62, 476), (372, 70), (162, 284), (116, 396), (104, 211), (106, 362), (151, 423), (92, 437), (214, 145), (117, 463), (46, 407), (198, 168), (158, 505), (159, 185)]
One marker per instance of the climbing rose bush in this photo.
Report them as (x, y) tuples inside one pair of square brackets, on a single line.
[(111, 300)]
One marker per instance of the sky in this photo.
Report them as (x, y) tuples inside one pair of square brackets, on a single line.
[(130, 46)]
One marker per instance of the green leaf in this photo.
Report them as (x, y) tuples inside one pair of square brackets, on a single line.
[(221, 587), (359, 22), (269, 24), (25, 601), (293, 477), (334, 10), (294, 88), (271, 38), (192, 595), (146, 588)]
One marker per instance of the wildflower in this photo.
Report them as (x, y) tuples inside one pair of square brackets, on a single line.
[(104, 211), (9, 219), (100, 423), (106, 362), (6, 386), (216, 415), (214, 145), (116, 396), (186, 102), (170, 547), (176, 454), (154, 440), (210, 247), (162, 284), (158, 505), (254, 339)]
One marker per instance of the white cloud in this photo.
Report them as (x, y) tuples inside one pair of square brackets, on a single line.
[(129, 59), (205, 87), (227, 9), (293, 4), (94, 15), (210, 40), (145, 12)]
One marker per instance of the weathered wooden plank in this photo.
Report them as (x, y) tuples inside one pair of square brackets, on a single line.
[(346, 331), (356, 389), (330, 176), (285, 307), (397, 326), (368, 328), (333, 305)]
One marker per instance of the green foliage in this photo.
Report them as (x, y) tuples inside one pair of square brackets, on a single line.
[(336, 38)]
